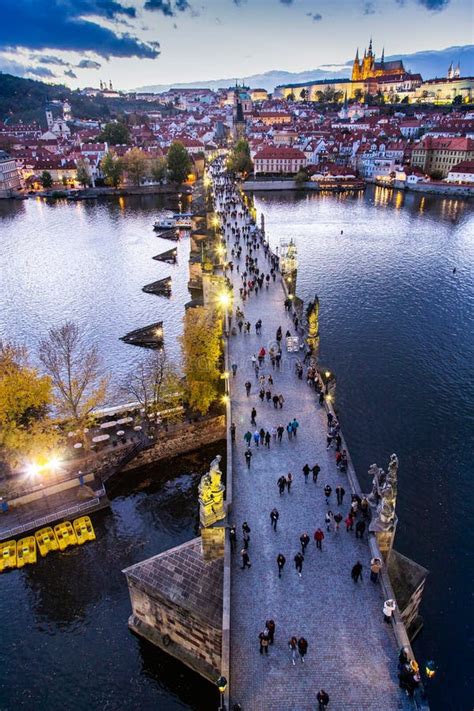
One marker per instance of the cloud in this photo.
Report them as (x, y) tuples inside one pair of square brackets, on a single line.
[(88, 64), (41, 72), (167, 7), (286, 2), (49, 59), (433, 5), (69, 73), (69, 25), (369, 8), (315, 16)]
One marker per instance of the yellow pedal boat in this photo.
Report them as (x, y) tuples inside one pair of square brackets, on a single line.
[(25, 551), (7, 555), (65, 535), (83, 529), (46, 540)]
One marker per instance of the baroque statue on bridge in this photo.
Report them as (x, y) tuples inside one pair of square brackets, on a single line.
[(383, 496)]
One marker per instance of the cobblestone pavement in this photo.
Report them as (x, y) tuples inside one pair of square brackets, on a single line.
[(352, 653)]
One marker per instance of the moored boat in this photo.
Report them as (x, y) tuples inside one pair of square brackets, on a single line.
[(65, 535), (83, 529), (7, 555), (46, 540), (25, 551)]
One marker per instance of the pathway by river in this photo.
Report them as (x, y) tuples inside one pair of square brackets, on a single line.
[(352, 654)]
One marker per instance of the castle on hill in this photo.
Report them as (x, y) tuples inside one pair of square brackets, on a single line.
[(368, 68)]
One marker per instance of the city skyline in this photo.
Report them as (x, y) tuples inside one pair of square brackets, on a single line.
[(141, 42)]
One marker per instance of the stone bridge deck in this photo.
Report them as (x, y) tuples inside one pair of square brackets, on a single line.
[(352, 653)]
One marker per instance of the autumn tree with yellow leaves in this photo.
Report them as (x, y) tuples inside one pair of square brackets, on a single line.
[(201, 345)]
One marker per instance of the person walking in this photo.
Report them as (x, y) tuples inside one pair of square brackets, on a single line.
[(375, 568), (232, 538), (294, 426), (302, 648), (256, 437), (245, 559), (245, 528), (281, 485), (329, 519), (316, 469), (337, 521), (349, 521), (340, 491), (293, 648), (264, 641), (274, 434), (281, 399), (280, 430), (253, 416), (289, 481), (327, 493), (304, 540), (248, 438), (248, 457), (360, 528), (234, 369), (270, 625), (323, 699), (275, 401), (267, 439), (356, 571), (261, 394), (289, 430), (306, 471), (299, 558), (319, 538), (248, 387), (232, 432), (281, 560), (274, 516)]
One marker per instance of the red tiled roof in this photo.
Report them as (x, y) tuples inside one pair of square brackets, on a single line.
[(283, 152)]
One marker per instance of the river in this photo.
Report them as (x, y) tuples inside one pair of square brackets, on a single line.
[(396, 329)]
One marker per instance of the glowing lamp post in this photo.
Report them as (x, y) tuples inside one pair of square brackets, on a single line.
[(328, 375), (221, 684)]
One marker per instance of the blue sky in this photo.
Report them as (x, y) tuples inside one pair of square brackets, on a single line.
[(138, 42)]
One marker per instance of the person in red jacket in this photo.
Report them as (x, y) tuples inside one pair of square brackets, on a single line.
[(319, 537)]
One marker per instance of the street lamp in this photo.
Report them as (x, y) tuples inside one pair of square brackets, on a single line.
[(328, 375), (222, 686)]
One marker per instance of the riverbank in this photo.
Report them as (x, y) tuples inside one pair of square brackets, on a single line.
[(93, 193), (265, 184), (428, 188)]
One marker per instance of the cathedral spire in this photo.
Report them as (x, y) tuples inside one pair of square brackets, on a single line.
[(357, 54), (383, 55), (370, 47)]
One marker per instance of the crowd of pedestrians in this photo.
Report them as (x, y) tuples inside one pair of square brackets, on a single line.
[(257, 269)]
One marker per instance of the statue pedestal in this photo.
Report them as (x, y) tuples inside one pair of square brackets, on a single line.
[(212, 509), (384, 538)]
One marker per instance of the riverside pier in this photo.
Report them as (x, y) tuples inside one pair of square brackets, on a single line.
[(352, 651)]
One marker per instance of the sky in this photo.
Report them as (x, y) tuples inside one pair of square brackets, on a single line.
[(142, 42)]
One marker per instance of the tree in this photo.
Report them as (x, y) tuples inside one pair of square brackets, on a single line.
[(179, 163), (83, 175), (46, 179), (114, 133), (239, 160), (25, 398), (301, 177), (405, 100), (74, 365), (201, 347), (158, 168), (290, 96), (135, 163), (155, 383), (112, 168), (320, 96), (436, 175), (358, 95), (303, 94), (338, 96), (457, 101)]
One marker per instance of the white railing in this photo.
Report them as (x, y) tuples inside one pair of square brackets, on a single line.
[(62, 513)]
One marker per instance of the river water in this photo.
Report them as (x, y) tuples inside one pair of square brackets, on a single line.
[(396, 329)]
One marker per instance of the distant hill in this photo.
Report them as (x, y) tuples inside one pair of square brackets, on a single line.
[(429, 63)]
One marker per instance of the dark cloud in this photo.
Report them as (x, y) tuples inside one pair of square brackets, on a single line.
[(69, 73), (369, 8), (167, 7), (88, 64), (433, 5), (286, 2), (60, 24), (41, 72), (49, 59), (315, 16)]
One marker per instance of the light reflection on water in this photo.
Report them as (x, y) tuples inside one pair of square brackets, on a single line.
[(396, 327)]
